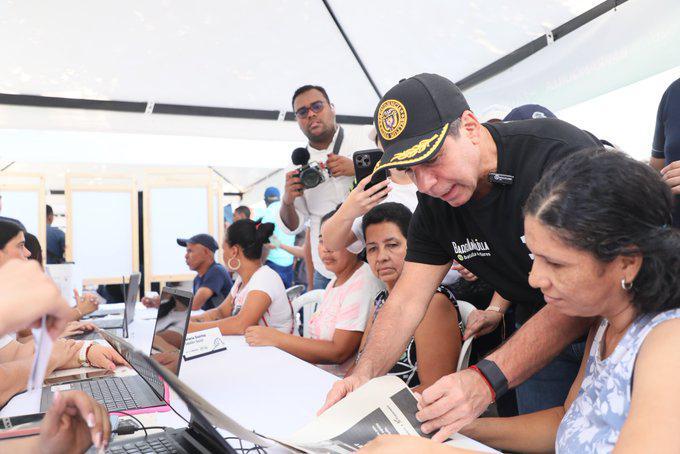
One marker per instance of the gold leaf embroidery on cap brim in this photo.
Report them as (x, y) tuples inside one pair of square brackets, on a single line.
[(410, 152), (414, 150)]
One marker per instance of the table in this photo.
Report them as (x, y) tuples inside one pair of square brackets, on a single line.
[(262, 388)]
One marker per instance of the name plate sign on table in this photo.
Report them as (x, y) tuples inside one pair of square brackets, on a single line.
[(203, 343)]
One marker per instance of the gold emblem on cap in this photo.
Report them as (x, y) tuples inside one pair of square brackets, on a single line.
[(392, 118)]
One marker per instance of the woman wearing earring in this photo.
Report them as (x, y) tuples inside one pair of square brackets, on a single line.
[(598, 226), (258, 296)]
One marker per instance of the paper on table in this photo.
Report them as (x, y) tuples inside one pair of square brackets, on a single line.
[(43, 350)]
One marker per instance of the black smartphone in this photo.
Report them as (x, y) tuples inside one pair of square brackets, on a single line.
[(364, 163)]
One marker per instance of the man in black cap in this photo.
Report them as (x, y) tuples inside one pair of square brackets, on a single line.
[(212, 282), (472, 180)]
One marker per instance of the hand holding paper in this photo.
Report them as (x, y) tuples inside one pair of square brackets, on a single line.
[(21, 283), (41, 358)]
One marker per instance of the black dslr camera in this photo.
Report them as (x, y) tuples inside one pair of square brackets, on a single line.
[(311, 174)]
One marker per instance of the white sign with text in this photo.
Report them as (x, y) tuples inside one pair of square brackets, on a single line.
[(203, 343)]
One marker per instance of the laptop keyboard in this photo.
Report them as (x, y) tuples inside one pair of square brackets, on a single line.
[(161, 444), (109, 391)]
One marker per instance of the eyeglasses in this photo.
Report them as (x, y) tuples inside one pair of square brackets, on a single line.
[(316, 107)]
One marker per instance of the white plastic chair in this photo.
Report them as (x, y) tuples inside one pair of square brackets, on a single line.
[(465, 309), (308, 303), (294, 291)]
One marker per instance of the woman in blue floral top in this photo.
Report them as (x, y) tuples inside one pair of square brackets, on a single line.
[(598, 225)]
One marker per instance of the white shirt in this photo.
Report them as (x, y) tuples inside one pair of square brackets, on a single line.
[(279, 313), (316, 202), (400, 193)]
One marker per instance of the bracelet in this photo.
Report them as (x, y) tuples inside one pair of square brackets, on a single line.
[(495, 309), (494, 377), (87, 351), (82, 353), (493, 393)]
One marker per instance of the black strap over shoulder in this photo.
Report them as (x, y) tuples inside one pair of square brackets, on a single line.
[(338, 141)]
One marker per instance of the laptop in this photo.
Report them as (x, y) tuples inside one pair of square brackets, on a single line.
[(199, 437), (145, 392), (130, 298), (118, 325)]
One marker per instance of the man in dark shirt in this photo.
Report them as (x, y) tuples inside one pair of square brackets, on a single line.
[(56, 240), (472, 180), (212, 282), (666, 146)]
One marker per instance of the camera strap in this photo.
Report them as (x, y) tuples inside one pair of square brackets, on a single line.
[(338, 141)]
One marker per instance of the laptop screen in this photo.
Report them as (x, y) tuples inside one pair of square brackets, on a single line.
[(131, 297), (171, 328)]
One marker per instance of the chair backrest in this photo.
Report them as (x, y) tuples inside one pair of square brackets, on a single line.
[(311, 297), (307, 303), (294, 291), (465, 309)]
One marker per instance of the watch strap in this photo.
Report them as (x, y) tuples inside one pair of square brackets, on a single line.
[(494, 376)]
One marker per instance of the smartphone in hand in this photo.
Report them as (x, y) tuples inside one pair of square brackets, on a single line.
[(364, 163)]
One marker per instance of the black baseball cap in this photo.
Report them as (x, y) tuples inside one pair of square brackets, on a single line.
[(203, 239), (413, 118)]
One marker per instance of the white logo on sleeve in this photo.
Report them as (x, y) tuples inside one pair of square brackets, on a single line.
[(471, 248)]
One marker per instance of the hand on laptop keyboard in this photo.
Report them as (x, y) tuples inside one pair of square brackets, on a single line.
[(104, 357), (87, 303), (73, 328)]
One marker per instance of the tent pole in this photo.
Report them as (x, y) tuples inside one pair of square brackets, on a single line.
[(351, 47)]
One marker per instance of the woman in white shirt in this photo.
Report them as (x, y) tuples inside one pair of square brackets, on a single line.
[(338, 324), (258, 296)]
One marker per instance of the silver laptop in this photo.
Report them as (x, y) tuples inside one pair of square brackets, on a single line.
[(120, 325), (130, 298), (199, 437), (146, 390)]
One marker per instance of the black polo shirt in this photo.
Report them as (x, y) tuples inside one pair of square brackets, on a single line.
[(487, 235)]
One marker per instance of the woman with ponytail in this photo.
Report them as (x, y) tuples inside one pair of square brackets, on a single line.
[(258, 296), (598, 225)]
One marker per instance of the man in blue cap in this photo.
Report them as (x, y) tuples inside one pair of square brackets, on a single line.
[(528, 112), (278, 259), (212, 283)]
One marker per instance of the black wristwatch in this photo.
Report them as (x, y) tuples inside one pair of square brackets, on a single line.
[(494, 375)]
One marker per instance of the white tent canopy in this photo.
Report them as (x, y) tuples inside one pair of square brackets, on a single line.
[(252, 55)]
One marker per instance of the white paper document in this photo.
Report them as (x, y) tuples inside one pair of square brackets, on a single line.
[(41, 357)]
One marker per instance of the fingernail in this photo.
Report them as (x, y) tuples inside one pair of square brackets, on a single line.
[(418, 418), (90, 420), (57, 396), (424, 429), (97, 439)]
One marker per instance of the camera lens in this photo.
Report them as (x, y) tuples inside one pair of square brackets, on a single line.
[(310, 178)]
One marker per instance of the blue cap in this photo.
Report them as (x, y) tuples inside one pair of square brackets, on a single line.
[(527, 112), (272, 194), (202, 238)]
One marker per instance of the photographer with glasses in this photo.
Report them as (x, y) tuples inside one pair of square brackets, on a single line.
[(327, 161)]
